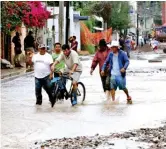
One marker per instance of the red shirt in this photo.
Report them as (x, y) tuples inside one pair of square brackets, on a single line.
[(75, 44), (100, 58)]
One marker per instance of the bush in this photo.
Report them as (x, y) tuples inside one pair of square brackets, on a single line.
[(89, 48)]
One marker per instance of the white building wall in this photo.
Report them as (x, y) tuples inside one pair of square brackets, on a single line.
[(76, 31), (133, 17), (74, 28), (148, 22)]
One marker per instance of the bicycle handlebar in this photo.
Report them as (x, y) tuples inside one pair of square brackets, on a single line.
[(65, 74), (57, 71)]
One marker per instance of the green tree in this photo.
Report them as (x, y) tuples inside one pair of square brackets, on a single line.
[(84, 8), (119, 18), (102, 9), (151, 9), (12, 14), (114, 13)]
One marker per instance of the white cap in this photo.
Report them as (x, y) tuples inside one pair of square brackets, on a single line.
[(114, 43), (42, 46)]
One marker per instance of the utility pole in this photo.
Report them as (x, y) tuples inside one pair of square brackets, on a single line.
[(137, 29), (67, 20), (53, 27), (45, 35), (61, 21)]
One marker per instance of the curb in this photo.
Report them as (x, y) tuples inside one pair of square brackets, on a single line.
[(155, 61), (15, 75), (12, 74)]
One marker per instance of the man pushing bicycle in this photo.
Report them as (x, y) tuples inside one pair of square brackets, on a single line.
[(74, 67)]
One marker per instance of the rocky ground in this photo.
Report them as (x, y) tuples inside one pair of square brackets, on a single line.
[(154, 137)]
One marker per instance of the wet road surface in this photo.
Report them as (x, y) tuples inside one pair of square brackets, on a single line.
[(23, 122)]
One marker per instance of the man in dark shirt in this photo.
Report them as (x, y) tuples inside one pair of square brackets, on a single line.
[(100, 58), (122, 43), (17, 43), (29, 41), (17, 49)]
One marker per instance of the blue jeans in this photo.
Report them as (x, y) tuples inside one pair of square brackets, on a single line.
[(46, 84), (128, 51)]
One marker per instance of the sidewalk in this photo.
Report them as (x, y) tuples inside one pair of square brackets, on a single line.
[(6, 73), (83, 53), (147, 48)]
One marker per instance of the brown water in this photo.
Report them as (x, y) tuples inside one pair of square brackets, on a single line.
[(23, 122)]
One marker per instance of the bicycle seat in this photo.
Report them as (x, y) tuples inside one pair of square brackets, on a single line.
[(54, 80)]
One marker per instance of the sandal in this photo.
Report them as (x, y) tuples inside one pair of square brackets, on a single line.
[(129, 100)]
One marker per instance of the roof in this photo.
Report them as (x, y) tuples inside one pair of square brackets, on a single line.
[(77, 17)]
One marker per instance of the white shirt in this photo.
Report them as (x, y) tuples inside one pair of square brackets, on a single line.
[(72, 59), (42, 64)]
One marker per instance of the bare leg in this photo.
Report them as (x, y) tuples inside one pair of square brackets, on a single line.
[(126, 92), (129, 100), (107, 95), (113, 94), (74, 93)]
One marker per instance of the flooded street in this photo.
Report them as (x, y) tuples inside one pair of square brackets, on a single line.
[(23, 122)]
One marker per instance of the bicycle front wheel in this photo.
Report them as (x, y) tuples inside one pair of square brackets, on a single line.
[(81, 92), (55, 93)]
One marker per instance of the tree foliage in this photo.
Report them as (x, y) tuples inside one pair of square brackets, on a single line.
[(119, 18), (84, 8), (102, 9), (114, 13), (14, 13), (37, 16), (90, 24), (150, 9)]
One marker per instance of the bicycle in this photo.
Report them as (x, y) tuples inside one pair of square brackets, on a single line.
[(59, 90)]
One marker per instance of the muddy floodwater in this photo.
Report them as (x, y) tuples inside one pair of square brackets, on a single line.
[(23, 122)]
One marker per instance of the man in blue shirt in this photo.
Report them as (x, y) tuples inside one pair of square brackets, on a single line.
[(128, 46), (118, 62)]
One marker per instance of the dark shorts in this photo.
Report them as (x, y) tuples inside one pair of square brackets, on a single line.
[(117, 82)]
